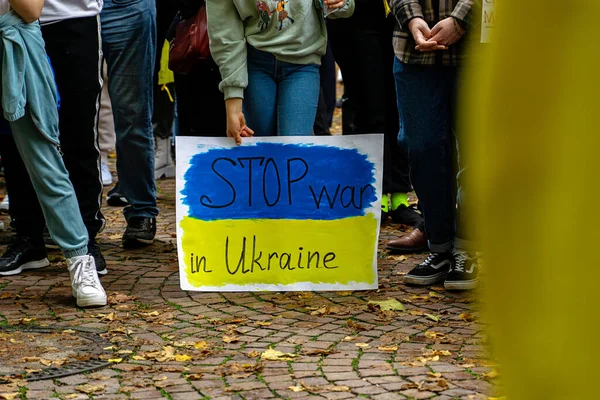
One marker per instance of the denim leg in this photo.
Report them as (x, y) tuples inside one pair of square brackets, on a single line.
[(260, 96), (425, 95), (52, 186), (129, 44), (297, 98)]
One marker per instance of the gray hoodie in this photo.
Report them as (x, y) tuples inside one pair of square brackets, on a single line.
[(59, 10)]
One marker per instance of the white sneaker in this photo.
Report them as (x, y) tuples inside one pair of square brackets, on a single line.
[(164, 167), (4, 204), (86, 286), (107, 178)]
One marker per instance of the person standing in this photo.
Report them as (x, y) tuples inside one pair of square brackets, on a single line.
[(430, 50), (370, 103), (71, 32), (129, 45), (269, 53), (29, 103)]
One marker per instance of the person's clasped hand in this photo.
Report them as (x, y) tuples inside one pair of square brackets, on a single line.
[(445, 33)]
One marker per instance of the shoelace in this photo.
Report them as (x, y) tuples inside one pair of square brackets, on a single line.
[(460, 259), (429, 260), (84, 274)]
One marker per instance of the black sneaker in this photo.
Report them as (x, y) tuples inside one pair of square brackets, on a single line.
[(22, 255), (407, 216), (463, 274), (116, 199), (430, 271), (140, 232), (94, 251)]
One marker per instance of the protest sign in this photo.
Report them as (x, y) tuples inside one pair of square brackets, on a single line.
[(279, 213), (488, 20)]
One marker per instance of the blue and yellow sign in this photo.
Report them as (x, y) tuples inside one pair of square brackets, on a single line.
[(279, 213)]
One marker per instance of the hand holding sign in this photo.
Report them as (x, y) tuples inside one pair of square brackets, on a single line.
[(236, 122)]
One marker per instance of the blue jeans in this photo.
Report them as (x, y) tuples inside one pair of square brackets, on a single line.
[(129, 45), (426, 98), (281, 98)]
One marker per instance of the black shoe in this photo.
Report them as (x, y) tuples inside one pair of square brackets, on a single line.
[(407, 216), (94, 251), (430, 271), (463, 274), (22, 255), (116, 199), (140, 232)]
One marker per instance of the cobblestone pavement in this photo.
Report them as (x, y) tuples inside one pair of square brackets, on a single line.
[(162, 342)]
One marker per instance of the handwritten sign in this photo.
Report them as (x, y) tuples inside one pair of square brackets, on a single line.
[(279, 213), (488, 20)]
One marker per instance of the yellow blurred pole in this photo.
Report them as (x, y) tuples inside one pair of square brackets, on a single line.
[(534, 140)]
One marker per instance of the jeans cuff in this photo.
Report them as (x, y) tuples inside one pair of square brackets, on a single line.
[(468, 246), (440, 248), (82, 251)]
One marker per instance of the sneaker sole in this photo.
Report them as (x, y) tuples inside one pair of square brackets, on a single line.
[(460, 285), (92, 302), (136, 243), (424, 280), (103, 272), (30, 265)]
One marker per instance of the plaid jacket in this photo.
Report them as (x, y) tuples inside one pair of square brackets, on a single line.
[(406, 10)]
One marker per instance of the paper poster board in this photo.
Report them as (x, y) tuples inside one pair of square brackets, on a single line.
[(488, 20), (279, 213)]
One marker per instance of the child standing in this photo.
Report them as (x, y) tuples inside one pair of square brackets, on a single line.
[(29, 103), (269, 53)]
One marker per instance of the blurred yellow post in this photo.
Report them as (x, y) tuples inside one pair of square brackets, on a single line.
[(534, 140)]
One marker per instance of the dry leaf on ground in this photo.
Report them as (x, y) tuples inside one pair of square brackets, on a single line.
[(391, 348), (388, 305), (90, 389), (275, 355), (467, 317)]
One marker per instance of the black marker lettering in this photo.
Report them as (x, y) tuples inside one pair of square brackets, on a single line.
[(250, 159), (289, 175), (205, 200)]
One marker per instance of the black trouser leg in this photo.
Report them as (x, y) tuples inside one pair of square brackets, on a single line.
[(25, 209), (369, 86), (200, 103), (73, 46)]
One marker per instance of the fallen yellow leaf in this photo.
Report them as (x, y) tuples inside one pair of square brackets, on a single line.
[(182, 357), (491, 375), (432, 317), (275, 355), (296, 389), (115, 360), (391, 348), (362, 345), (230, 339), (263, 323), (388, 305), (89, 389), (467, 317), (9, 396)]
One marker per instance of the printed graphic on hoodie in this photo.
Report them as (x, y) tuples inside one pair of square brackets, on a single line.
[(266, 12)]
